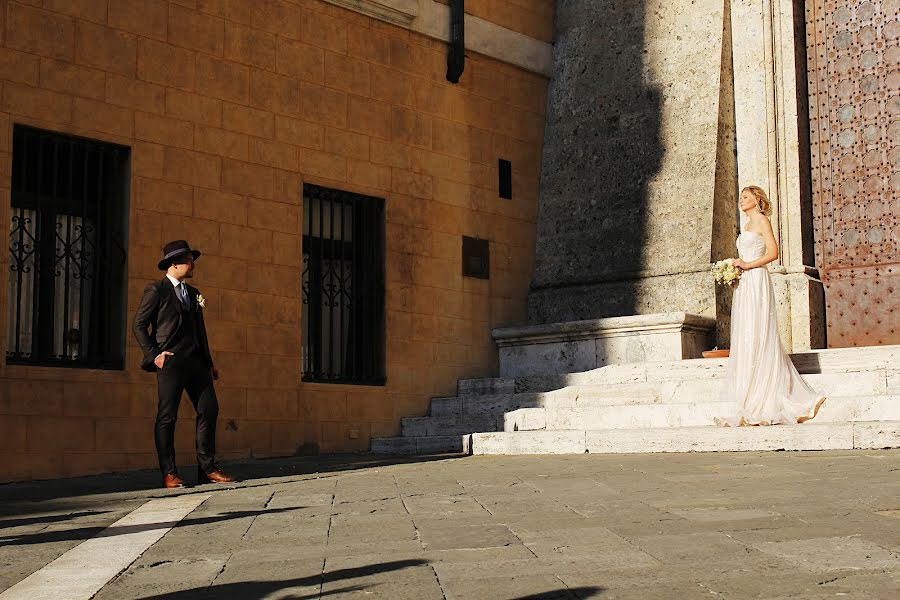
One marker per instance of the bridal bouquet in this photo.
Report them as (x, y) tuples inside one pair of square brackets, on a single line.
[(725, 272)]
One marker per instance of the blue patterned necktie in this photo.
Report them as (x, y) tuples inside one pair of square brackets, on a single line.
[(182, 295)]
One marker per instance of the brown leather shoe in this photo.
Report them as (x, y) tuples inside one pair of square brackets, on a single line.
[(216, 476), (172, 481)]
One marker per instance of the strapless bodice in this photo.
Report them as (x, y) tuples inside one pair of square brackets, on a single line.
[(750, 245)]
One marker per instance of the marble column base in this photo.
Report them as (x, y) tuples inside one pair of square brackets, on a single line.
[(577, 346), (800, 307)]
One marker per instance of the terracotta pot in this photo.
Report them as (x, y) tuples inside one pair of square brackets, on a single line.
[(716, 353)]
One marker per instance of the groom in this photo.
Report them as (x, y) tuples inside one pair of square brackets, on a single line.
[(176, 348)]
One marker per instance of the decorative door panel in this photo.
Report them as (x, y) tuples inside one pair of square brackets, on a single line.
[(854, 87)]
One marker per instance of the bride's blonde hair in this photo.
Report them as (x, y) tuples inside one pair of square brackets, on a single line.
[(765, 207)]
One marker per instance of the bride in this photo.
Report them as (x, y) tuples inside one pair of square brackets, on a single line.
[(760, 379)]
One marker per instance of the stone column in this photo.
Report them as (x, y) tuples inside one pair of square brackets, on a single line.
[(769, 53), (635, 158)]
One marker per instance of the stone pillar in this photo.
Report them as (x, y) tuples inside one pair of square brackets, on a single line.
[(638, 152), (772, 152)]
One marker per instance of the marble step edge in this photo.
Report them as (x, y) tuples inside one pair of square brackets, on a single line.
[(602, 417), (877, 383), (449, 425), (689, 396), (685, 370), (493, 403), (421, 445), (816, 361), (485, 386), (808, 436)]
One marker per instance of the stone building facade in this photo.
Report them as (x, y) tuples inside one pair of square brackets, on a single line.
[(654, 125), (226, 109), (248, 125)]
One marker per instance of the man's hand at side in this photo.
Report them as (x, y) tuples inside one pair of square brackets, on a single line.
[(161, 359)]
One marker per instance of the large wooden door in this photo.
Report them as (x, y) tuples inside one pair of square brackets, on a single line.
[(854, 88)]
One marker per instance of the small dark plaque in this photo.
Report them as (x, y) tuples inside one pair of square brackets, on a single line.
[(505, 172), (476, 257)]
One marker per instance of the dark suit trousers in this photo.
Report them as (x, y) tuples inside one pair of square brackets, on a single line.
[(191, 374)]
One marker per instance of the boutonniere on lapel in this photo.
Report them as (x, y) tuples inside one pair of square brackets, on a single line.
[(201, 301)]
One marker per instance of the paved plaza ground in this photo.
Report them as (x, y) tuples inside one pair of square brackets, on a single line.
[(653, 526)]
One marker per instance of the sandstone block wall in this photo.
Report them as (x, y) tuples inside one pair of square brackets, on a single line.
[(229, 107)]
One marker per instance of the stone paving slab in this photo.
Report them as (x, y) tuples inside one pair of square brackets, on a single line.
[(737, 526), (447, 534), (833, 554), (502, 587), (457, 506), (168, 577)]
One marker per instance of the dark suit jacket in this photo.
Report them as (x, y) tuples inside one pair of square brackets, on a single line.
[(162, 313)]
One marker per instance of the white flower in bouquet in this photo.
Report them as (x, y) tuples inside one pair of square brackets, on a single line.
[(201, 301), (726, 273)]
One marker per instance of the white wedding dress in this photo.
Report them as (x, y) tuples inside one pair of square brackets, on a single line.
[(761, 382)]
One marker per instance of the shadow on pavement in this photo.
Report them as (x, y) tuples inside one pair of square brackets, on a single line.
[(589, 591), (31, 497), (47, 519), (83, 533), (289, 589)]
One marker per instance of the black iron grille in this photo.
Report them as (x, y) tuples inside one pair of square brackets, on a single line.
[(343, 287), (67, 246)]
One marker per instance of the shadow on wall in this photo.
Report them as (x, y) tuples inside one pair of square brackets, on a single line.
[(639, 162), (725, 208), (601, 148)]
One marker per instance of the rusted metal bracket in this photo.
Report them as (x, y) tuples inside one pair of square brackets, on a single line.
[(456, 59)]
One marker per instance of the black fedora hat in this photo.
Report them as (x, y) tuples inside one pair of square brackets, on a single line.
[(173, 250)]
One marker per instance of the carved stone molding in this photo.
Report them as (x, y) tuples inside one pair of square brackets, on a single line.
[(398, 12), (432, 19)]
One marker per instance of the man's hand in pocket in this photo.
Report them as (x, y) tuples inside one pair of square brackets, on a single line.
[(161, 359)]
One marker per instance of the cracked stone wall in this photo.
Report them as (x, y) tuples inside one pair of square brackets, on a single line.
[(638, 172)]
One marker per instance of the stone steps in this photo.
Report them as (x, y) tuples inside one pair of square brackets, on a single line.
[(857, 396), (862, 385), (691, 390), (808, 436), (838, 360), (684, 414)]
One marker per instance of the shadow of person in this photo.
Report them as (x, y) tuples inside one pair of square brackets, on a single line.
[(83, 533), (48, 519), (589, 591), (301, 588)]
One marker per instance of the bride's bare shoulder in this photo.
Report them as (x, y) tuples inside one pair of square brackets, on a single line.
[(760, 223)]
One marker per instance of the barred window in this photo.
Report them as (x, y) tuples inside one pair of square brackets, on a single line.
[(67, 243), (342, 287)]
